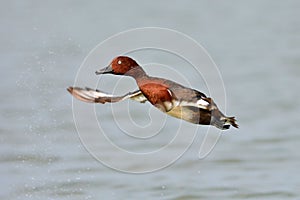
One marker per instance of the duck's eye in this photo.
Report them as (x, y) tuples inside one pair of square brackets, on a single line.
[(119, 62)]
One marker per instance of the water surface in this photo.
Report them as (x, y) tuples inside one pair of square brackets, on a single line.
[(256, 47)]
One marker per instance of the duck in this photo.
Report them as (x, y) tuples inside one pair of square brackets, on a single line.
[(168, 96)]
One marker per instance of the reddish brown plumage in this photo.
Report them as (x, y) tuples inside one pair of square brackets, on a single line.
[(190, 105), (122, 65), (156, 93)]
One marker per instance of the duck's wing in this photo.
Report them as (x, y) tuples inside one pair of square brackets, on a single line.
[(191, 98), (96, 96), (204, 103)]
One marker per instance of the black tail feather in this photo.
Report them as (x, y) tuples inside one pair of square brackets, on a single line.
[(225, 123), (232, 122)]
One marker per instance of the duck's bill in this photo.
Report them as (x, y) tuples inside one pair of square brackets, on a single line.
[(105, 70)]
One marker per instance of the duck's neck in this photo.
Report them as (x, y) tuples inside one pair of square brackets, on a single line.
[(137, 73)]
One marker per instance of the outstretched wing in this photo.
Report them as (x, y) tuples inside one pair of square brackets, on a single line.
[(96, 96)]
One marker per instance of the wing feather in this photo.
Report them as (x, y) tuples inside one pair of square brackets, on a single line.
[(96, 96)]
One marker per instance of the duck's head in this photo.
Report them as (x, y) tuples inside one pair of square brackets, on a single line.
[(120, 65)]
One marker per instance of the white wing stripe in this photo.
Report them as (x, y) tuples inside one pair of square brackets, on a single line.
[(202, 102), (199, 104)]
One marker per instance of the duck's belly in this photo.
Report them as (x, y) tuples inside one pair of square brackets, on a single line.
[(191, 114)]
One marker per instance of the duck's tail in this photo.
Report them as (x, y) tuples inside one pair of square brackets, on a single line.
[(225, 122), (231, 121)]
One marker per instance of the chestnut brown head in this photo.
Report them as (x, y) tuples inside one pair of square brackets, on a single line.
[(119, 66)]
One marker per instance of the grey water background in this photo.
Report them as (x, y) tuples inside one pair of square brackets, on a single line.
[(256, 46)]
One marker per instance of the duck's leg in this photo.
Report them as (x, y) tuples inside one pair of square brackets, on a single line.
[(96, 96)]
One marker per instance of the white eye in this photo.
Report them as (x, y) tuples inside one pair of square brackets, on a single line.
[(119, 62)]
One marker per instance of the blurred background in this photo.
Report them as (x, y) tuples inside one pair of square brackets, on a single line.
[(256, 46)]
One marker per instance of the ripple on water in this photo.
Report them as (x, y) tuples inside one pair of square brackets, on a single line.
[(29, 158), (265, 195)]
